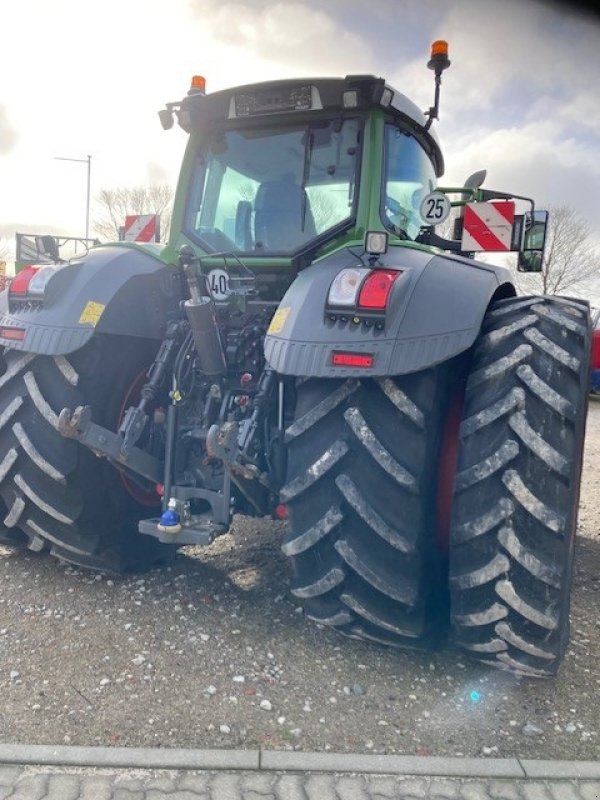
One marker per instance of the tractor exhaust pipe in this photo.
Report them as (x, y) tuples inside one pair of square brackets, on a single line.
[(200, 310)]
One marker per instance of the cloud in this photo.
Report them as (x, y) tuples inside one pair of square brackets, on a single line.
[(519, 98), (8, 136), (288, 31), (157, 173), (534, 160)]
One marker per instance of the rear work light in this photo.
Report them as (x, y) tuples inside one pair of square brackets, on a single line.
[(39, 281), (362, 288), (364, 360), (345, 287)]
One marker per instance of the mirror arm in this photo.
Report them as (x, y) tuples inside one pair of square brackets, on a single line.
[(427, 236), (490, 194)]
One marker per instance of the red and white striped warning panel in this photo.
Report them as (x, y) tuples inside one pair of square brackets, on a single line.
[(488, 226), (141, 228)]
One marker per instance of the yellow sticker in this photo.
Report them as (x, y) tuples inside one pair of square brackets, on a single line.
[(278, 321), (91, 313)]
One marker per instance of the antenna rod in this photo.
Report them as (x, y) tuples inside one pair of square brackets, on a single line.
[(438, 62)]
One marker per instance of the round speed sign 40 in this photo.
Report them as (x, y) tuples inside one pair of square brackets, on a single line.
[(435, 208), (218, 284)]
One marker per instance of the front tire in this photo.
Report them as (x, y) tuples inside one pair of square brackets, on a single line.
[(58, 495), (361, 490), (517, 484)]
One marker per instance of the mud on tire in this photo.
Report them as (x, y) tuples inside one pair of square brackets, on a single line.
[(517, 484), (57, 495), (361, 488)]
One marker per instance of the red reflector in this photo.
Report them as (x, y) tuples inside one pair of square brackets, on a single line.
[(352, 359), (20, 283), (16, 334), (375, 290), (281, 511), (596, 350)]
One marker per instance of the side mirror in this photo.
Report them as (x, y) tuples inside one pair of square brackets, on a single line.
[(530, 261), (531, 254), (47, 246), (166, 118)]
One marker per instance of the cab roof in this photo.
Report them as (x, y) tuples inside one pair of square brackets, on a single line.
[(279, 100)]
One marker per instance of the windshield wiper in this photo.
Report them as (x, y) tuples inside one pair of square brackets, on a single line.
[(310, 139)]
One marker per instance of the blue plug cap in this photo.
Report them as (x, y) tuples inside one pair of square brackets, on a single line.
[(170, 521)]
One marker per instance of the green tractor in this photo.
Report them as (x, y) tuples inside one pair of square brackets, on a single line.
[(307, 346)]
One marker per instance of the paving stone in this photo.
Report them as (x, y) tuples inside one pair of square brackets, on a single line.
[(410, 797), (258, 782), (127, 794), (442, 788), (97, 787), (158, 794), (63, 787), (475, 790), (351, 788), (194, 782), (382, 787), (131, 784), (564, 791), (9, 775), (535, 790), (290, 787), (17, 783), (589, 790), (30, 787), (163, 783), (413, 787), (505, 790), (225, 787), (187, 795), (320, 787)]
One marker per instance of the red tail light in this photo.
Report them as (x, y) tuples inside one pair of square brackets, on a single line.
[(376, 288), (20, 283)]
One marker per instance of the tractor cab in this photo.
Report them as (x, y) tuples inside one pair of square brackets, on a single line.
[(287, 168), (279, 174)]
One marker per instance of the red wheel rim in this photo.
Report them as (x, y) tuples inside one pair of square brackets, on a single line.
[(447, 468)]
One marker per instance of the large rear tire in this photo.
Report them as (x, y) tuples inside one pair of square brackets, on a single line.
[(517, 484), (59, 496), (361, 492)]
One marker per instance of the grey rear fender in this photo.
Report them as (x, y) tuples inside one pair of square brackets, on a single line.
[(435, 311), (117, 289)]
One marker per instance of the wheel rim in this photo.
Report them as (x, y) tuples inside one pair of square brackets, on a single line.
[(448, 460)]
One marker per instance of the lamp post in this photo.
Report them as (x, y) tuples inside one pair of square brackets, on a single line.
[(87, 161)]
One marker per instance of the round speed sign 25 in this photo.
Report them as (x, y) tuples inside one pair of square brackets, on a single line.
[(435, 208)]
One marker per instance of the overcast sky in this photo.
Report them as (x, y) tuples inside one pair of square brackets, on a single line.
[(521, 98)]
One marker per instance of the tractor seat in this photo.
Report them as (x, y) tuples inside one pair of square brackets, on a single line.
[(279, 207)]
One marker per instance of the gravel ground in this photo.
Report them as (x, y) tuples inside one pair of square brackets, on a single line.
[(212, 652)]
